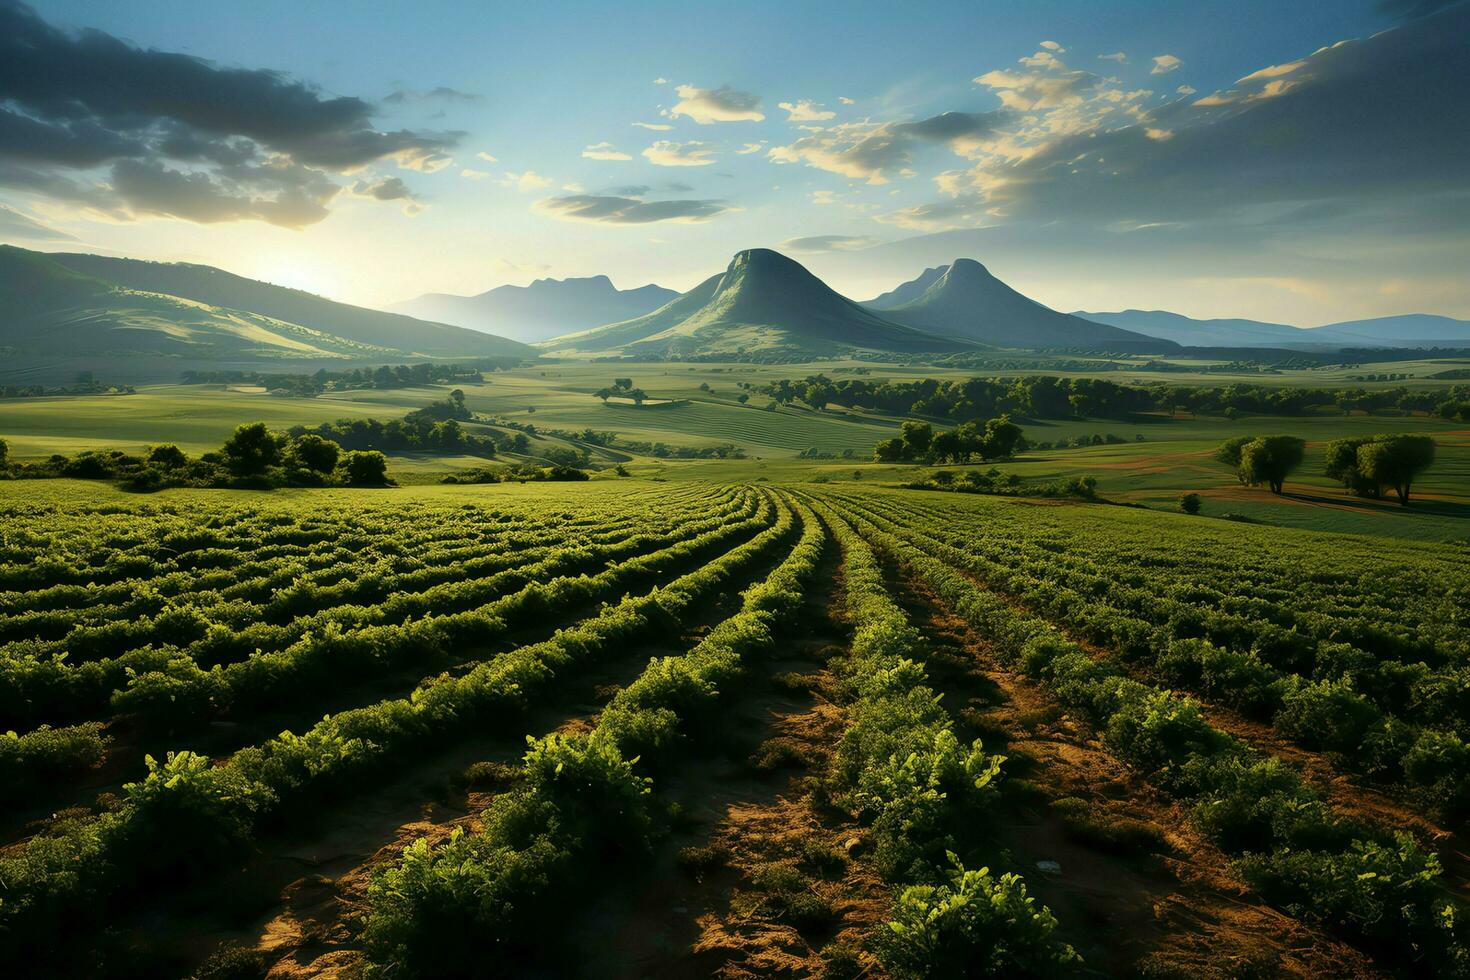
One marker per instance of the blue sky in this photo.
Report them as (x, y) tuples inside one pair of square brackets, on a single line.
[(945, 136)]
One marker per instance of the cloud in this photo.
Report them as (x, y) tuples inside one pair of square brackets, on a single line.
[(751, 148), (488, 158), (1164, 63), (722, 104), (1117, 56), (473, 174), (526, 181), (441, 94), (805, 111), (657, 127), (660, 81), (667, 153), (824, 197), (604, 151), (181, 136), (814, 244), (877, 152), (384, 189), (14, 224), (1414, 9), (845, 100), (1053, 46), (938, 216), (617, 210), (1185, 90), (1038, 90)]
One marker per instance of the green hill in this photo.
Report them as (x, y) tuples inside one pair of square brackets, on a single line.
[(763, 303), (339, 329)]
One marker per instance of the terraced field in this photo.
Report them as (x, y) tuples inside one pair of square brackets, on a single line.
[(642, 729)]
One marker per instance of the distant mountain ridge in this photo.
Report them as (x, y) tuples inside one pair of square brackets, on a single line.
[(763, 302), (964, 300), (71, 304), (545, 309), (1408, 330)]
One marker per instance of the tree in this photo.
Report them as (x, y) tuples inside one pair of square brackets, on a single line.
[(889, 451), (622, 383), (167, 455), (1395, 461), (637, 394), (916, 438), (1342, 465), (312, 452), (1001, 439), (742, 398), (1190, 503), (252, 449), (1229, 454), (1270, 459), (945, 447), (365, 468), (4, 451), (605, 393)]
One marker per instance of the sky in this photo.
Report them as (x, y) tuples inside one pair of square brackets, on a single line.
[(1298, 162)]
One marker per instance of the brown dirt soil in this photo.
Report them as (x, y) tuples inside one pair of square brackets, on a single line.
[(1178, 911)]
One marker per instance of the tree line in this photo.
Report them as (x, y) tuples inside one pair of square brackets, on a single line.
[(999, 438), (383, 378), (1051, 397)]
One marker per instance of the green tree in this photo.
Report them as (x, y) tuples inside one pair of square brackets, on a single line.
[(916, 437), (312, 452), (1229, 453), (1395, 461), (1190, 503), (1002, 438), (946, 447), (1270, 459), (4, 452), (889, 451), (252, 449), (1342, 465), (367, 468), (167, 455)]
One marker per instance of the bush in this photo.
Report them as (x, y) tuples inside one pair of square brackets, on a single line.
[(974, 926), (1191, 503), (364, 468)]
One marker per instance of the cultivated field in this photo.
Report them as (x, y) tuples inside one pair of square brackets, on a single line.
[(816, 729)]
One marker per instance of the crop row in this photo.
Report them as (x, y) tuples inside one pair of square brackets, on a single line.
[(188, 814), (901, 769), (580, 797), (168, 685), (1381, 890), (1346, 702)]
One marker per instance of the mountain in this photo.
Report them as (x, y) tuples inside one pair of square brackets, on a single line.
[(907, 292), (763, 302), (86, 305), (1410, 330), (355, 326), (547, 308), (966, 301)]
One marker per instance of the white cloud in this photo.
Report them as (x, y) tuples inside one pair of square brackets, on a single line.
[(722, 104), (614, 210), (805, 111), (530, 180), (751, 148), (824, 197), (1185, 90), (845, 100), (660, 81), (487, 157), (1164, 63), (658, 127), (1053, 46), (1117, 56), (1273, 71), (827, 243), (604, 151), (667, 153), (473, 174)]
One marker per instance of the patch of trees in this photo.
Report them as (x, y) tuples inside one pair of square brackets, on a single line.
[(382, 378), (1006, 484), (434, 427), (1050, 397), (999, 438), (622, 388), (1367, 465), (85, 384), (253, 458), (1263, 459), (556, 473)]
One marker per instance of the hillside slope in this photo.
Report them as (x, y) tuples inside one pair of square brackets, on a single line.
[(545, 309), (966, 301), (763, 302), (355, 324), (1409, 330)]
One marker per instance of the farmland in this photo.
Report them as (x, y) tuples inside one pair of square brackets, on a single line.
[(290, 731)]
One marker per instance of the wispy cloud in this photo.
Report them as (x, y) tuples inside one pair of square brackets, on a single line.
[(604, 151), (805, 111), (616, 210), (723, 104), (667, 153)]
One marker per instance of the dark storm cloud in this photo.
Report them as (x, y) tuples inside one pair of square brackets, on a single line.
[(628, 210), (82, 100)]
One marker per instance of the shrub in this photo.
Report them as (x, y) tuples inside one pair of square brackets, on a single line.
[(364, 468), (1191, 503), (976, 925)]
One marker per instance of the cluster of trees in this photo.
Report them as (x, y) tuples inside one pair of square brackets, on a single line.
[(435, 426), (385, 377), (1006, 484), (1046, 396), (85, 384), (622, 388), (1082, 442), (254, 457), (1366, 465), (999, 438)]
